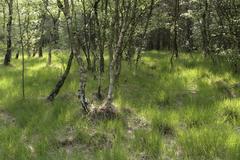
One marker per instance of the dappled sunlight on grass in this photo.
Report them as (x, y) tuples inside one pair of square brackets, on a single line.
[(6, 83), (36, 67), (179, 113)]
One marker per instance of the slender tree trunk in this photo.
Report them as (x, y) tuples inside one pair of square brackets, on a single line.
[(87, 35), (89, 65), (56, 28), (113, 69), (189, 35), (101, 40), (175, 43), (41, 40), (61, 81), (100, 71), (17, 54), (143, 41), (110, 54), (50, 55), (94, 65), (22, 51), (55, 31), (100, 36), (82, 84), (101, 61), (72, 25), (27, 32), (40, 49), (118, 67), (111, 81), (175, 32), (175, 52), (74, 40), (4, 19), (205, 29), (8, 54)]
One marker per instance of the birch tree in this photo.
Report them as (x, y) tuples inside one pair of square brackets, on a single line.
[(8, 54)]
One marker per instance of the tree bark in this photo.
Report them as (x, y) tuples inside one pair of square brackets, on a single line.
[(17, 54), (75, 52), (175, 34), (41, 40), (205, 29), (8, 54), (50, 48), (113, 68), (4, 19), (175, 52), (87, 35), (61, 81), (27, 30), (189, 35)]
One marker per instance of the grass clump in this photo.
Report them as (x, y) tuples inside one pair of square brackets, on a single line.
[(209, 143), (229, 111), (148, 144), (196, 117), (117, 152), (165, 123)]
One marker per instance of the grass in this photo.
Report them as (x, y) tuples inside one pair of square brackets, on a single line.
[(164, 114)]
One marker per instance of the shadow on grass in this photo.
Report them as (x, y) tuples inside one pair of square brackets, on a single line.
[(188, 84)]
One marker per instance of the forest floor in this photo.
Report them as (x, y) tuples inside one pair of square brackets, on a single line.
[(191, 112)]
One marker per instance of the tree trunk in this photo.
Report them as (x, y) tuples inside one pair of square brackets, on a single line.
[(40, 49), (94, 65), (41, 40), (143, 41), (75, 51), (175, 52), (101, 61), (86, 35), (4, 19), (189, 35), (111, 80), (118, 67), (205, 29), (50, 55), (113, 68), (8, 54), (17, 54), (82, 83), (27, 30), (22, 51), (61, 81), (175, 31)]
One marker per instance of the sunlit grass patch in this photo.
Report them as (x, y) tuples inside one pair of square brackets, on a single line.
[(204, 143), (196, 117), (229, 111), (164, 122), (148, 143), (180, 113)]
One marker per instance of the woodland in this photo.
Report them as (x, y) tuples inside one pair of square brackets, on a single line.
[(119, 79)]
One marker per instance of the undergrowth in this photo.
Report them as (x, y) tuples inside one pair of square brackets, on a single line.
[(165, 113)]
